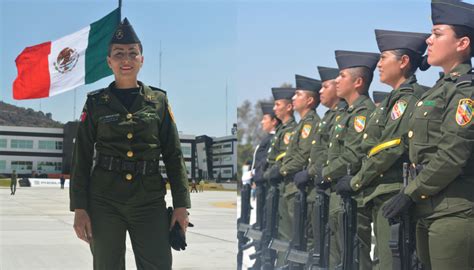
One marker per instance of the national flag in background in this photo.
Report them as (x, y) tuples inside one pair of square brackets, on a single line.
[(55, 67)]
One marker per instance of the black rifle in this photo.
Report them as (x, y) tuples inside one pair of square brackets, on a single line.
[(242, 222), (271, 227), (402, 241), (320, 255), (350, 253), (299, 228)]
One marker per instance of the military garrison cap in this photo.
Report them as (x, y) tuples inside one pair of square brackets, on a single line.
[(393, 40), (327, 73), (379, 96), (350, 59), (283, 93), (124, 34), (452, 12), (267, 108), (308, 84)]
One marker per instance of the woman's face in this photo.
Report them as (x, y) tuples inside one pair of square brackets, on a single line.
[(125, 60), (390, 69), (442, 45), (267, 123)]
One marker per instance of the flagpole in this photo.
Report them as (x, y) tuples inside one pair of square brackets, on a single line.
[(159, 84), (226, 108), (120, 10), (74, 107)]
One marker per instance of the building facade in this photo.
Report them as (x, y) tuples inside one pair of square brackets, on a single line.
[(32, 150)]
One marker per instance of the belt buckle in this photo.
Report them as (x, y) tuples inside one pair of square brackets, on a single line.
[(128, 166)]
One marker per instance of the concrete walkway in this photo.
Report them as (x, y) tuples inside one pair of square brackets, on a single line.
[(36, 232)]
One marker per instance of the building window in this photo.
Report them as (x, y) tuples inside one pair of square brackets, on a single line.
[(186, 151), (216, 159), (227, 145), (58, 145), (49, 167), (3, 143), (22, 165), (22, 144), (3, 164), (227, 171), (227, 158)]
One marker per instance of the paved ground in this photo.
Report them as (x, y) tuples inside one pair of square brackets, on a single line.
[(36, 232)]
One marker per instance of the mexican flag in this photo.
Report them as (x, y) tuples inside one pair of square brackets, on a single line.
[(55, 67)]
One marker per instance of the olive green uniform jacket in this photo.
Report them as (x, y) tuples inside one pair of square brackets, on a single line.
[(140, 134), (441, 138), (385, 142)]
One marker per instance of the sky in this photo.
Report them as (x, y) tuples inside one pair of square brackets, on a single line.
[(198, 42), (250, 46)]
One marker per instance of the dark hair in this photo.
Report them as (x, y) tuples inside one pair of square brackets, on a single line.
[(465, 31), (366, 74), (109, 48), (416, 61)]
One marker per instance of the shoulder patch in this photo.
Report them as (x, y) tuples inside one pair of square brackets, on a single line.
[(305, 131), (359, 123), (398, 109), (464, 112), (287, 137)]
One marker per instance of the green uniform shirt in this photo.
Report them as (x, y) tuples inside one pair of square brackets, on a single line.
[(387, 143), (281, 141), (441, 138), (320, 144), (298, 150), (140, 134), (345, 141)]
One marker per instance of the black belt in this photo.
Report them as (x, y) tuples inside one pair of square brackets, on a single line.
[(116, 164)]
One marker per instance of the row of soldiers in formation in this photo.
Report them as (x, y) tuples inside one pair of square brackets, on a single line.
[(406, 165)]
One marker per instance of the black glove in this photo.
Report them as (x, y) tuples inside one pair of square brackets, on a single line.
[(343, 186), (177, 237), (274, 174), (396, 205), (301, 179)]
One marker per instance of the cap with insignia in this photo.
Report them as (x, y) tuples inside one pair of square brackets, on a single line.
[(124, 34), (351, 59), (327, 73), (307, 84), (283, 93), (267, 108), (393, 40), (379, 96), (452, 12)]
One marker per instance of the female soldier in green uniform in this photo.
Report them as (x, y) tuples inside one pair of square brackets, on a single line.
[(441, 140), (385, 137), (127, 126)]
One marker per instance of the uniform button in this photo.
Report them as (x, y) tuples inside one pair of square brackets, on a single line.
[(423, 197), (309, 160), (365, 136), (313, 142), (330, 144), (357, 185), (381, 175), (377, 121), (327, 161), (128, 176), (284, 173), (130, 154), (129, 136), (410, 133), (329, 179), (337, 136), (129, 116), (419, 103), (425, 114)]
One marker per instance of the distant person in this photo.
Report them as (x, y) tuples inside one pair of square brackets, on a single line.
[(201, 186), (193, 186), (13, 183), (62, 181)]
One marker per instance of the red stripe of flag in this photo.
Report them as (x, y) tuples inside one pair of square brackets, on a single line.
[(33, 80)]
